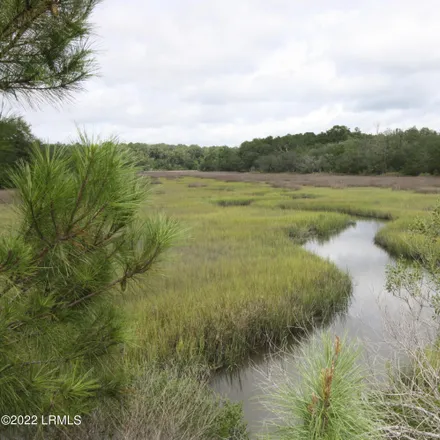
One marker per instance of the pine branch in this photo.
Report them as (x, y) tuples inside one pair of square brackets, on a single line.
[(127, 276), (79, 239), (45, 54)]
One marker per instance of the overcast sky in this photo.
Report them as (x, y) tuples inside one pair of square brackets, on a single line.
[(221, 72)]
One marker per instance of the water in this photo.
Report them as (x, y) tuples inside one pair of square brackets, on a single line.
[(354, 251)]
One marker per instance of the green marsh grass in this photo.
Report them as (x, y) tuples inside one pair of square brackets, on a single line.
[(239, 283), (234, 202), (401, 207), (302, 195)]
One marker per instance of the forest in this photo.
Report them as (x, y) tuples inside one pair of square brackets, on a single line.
[(338, 150)]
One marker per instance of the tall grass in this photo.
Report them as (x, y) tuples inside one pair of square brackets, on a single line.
[(409, 404), (396, 238), (161, 404), (241, 282), (233, 202)]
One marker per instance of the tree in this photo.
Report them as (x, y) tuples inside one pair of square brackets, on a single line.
[(16, 140), (250, 151), (337, 133), (78, 239), (45, 47)]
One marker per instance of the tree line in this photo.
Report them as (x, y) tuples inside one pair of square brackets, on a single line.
[(337, 150)]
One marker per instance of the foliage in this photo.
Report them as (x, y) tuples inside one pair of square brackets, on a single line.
[(337, 150), (16, 140), (166, 404), (77, 239), (44, 47), (330, 402), (163, 156), (242, 281)]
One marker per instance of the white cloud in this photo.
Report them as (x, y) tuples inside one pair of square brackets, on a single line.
[(192, 71)]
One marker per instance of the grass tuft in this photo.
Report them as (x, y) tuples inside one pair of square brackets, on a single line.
[(196, 185), (234, 202), (303, 196)]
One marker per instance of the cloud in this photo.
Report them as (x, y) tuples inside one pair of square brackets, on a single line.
[(190, 71)]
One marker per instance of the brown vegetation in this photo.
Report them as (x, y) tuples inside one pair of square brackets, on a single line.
[(422, 184), (6, 196)]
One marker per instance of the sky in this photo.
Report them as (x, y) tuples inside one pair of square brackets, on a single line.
[(222, 72)]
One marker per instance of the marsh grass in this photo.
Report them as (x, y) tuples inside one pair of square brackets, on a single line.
[(396, 238), (228, 188), (401, 207), (234, 202), (155, 181), (303, 196), (295, 181), (352, 210), (175, 406), (238, 284), (242, 281), (302, 233), (428, 190), (196, 185)]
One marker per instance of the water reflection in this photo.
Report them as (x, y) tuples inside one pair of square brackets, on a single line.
[(354, 250)]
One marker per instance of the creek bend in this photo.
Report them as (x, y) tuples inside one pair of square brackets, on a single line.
[(352, 250)]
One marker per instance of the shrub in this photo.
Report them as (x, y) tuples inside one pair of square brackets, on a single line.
[(329, 403)]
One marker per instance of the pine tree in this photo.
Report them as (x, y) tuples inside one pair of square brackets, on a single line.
[(45, 50), (78, 239)]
